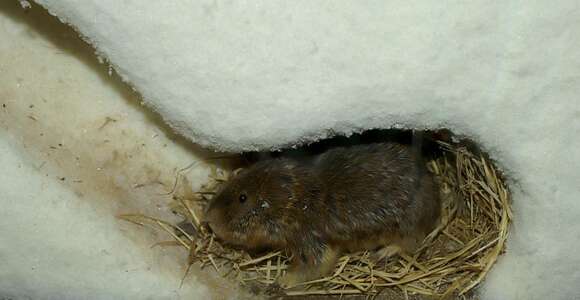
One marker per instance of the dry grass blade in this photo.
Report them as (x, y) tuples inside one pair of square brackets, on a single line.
[(323, 292), (259, 259)]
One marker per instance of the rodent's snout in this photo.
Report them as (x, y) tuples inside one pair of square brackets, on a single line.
[(218, 230), (213, 220), (210, 213), (208, 226), (208, 218), (205, 225)]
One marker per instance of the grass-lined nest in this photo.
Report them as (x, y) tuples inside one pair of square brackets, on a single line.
[(452, 260)]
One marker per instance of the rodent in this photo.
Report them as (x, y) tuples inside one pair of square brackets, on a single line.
[(363, 197)]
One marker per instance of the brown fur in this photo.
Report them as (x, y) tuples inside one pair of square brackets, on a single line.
[(346, 199)]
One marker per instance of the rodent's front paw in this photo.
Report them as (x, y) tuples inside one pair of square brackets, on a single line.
[(289, 280), (386, 252)]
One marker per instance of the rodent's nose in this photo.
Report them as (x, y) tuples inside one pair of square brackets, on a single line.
[(204, 224), (208, 219), (213, 228), (208, 226)]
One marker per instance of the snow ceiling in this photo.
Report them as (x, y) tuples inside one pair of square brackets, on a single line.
[(246, 75)]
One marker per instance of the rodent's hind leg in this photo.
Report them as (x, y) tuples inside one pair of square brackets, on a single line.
[(387, 252), (309, 264), (396, 246)]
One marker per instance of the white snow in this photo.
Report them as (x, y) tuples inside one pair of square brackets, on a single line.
[(53, 246), (65, 175), (265, 74), (25, 4)]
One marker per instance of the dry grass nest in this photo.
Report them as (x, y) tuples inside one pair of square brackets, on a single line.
[(452, 260)]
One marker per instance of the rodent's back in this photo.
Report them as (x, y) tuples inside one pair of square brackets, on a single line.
[(375, 188)]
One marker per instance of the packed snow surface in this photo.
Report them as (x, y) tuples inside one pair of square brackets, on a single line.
[(76, 149), (244, 75)]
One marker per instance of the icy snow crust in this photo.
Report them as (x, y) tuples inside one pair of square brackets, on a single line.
[(265, 74)]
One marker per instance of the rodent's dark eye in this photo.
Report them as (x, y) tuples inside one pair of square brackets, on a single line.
[(243, 198)]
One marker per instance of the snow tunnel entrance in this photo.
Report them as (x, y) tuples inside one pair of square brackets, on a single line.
[(450, 261)]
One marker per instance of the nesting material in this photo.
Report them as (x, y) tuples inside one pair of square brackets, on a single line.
[(451, 262)]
